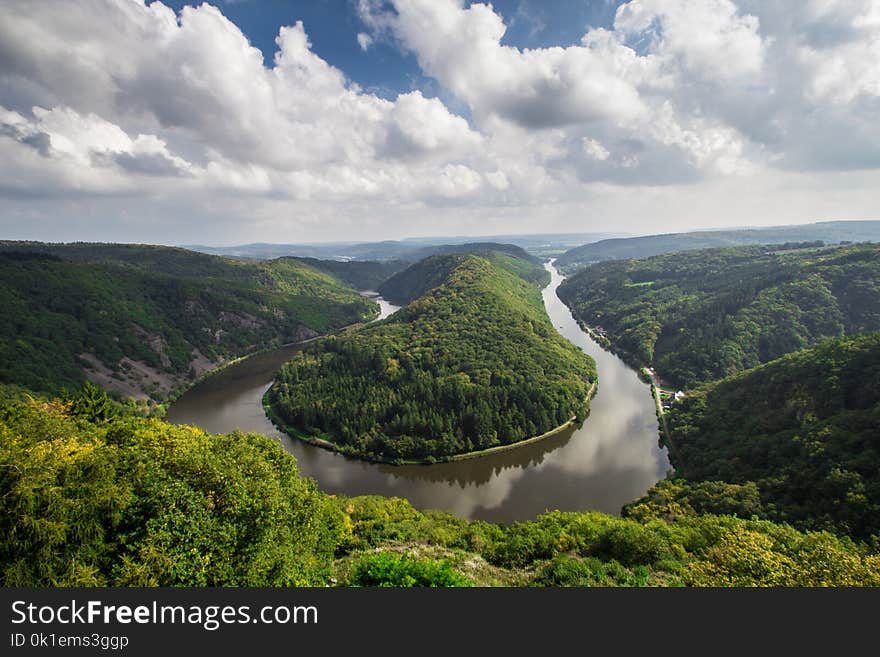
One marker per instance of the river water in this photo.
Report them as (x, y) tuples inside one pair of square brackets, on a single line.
[(612, 459)]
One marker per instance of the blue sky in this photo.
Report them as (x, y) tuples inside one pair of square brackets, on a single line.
[(333, 26), (134, 120)]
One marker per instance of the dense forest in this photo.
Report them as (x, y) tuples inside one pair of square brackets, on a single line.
[(801, 430), (91, 496), (472, 363), (831, 232), (702, 315), (433, 270), (142, 320)]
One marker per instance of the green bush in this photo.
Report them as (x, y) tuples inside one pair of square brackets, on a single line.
[(400, 570)]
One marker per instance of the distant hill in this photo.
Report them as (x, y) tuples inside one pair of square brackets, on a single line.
[(805, 428), (830, 232), (541, 244), (144, 320), (364, 275), (433, 269), (471, 362), (701, 315)]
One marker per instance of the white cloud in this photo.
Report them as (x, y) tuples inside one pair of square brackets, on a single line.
[(121, 98), (594, 149), (364, 40)]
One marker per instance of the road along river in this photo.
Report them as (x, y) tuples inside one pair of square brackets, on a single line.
[(612, 459)]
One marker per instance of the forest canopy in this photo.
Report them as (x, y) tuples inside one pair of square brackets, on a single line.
[(470, 364), (697, 316), (802, 429), (117, 500), (136, 315)]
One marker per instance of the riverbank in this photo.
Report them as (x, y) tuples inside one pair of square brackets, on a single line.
[(238, 360), (612, 459), (333, 447)]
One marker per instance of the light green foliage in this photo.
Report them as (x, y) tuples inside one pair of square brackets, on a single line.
[(400, 570), (138, 502), (711, 313), (594, 549), (472, 363)]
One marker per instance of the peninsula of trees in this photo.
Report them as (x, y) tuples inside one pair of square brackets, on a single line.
[(471, 363)]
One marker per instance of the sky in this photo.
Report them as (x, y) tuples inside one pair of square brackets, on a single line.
[(290, 121)]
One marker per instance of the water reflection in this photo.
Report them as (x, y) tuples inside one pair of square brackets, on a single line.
[(612, 459)]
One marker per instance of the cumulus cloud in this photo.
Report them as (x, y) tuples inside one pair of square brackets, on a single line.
[(122, 97), (364, 40)]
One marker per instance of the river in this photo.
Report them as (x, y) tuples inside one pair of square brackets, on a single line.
[(612, 459)]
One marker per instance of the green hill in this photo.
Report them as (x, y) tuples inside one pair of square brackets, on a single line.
[(434, 269), (831, 232), (701, 315), (143, 320), (361, 275), (805, 428), (472, 363), (128, 501)]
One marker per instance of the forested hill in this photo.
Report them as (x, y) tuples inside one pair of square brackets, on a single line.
[(471, 364), (831, 232), (701, 315), (434, 270), (362, 275), (805, 428), (142, 320), (91, 499)]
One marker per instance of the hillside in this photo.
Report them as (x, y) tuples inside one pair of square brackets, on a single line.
[(128, 501), (831, 232), (142, 321), (805, 428), (361, 275), (470, 364), (701, 315), (434, 270), (409, 249)]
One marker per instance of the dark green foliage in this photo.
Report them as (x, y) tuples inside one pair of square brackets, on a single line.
[(702, 315), (830, 232), (805, 428), (138, 502), (672, 498), (153, 305), (93, 404), (401, 570), (472, 364)]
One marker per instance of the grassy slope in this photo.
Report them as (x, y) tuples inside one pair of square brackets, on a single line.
[(701, 315), (154, 305), (472, 363)]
